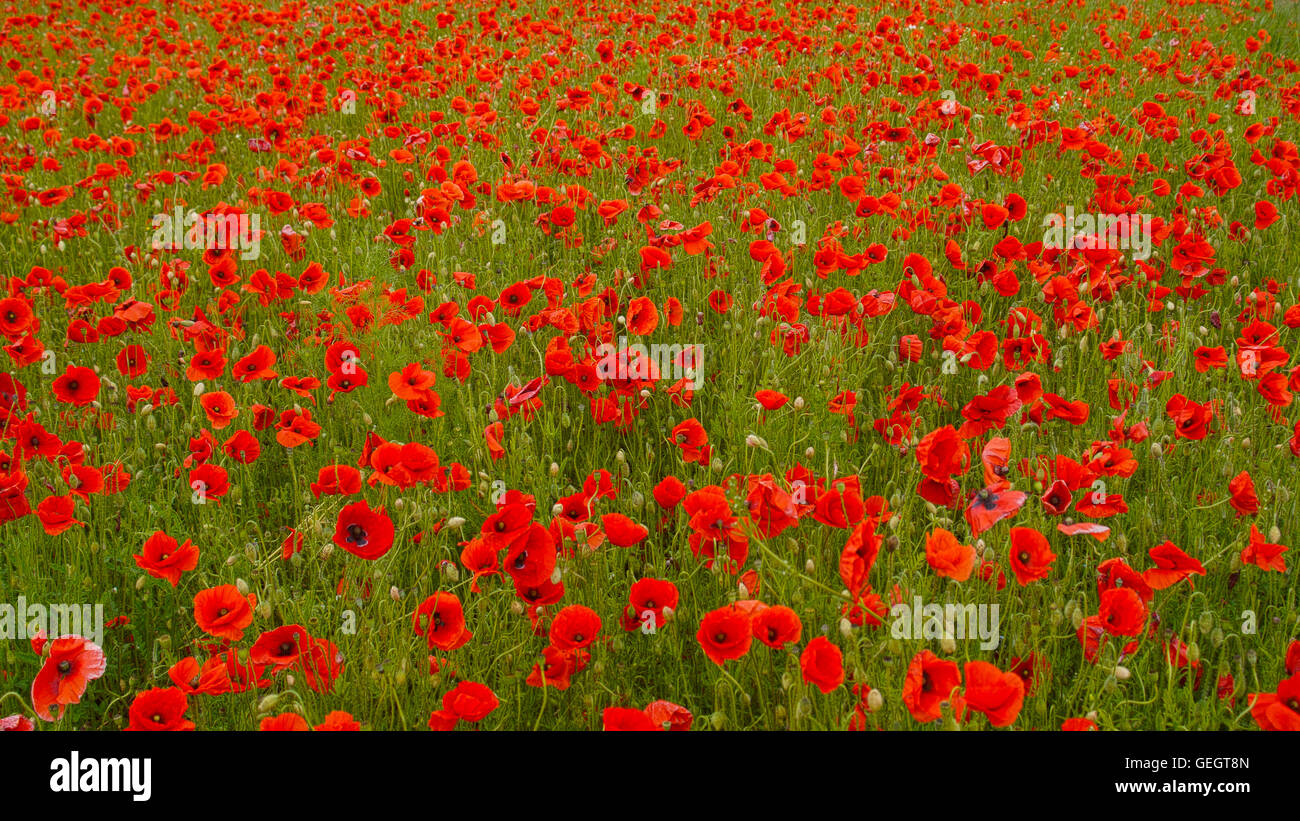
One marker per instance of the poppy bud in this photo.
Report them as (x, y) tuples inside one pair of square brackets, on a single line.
[(798, 402), (875, 700), (846, 628), (1206, 622), (804, 708), (242, 586), (718, 720), (1077, 619), (1193, 652), (139, 583), (367, 419), (809, 453), (1110, 685), (948, 644), (268, 703), (1216, 637), (1122, 673), (668, 614), (780, 713), (264, 610), (230, 560), (554, 469), (1274, 534)]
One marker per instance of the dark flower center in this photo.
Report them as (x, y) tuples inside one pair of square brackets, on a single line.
[(1024, 557), (65, 667), (356, 534), (286, 648)]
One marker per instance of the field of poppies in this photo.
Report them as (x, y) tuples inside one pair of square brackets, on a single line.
[(688, 366)]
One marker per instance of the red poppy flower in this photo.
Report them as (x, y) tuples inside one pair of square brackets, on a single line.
[(57, 514), (1122, 612), (280, 648), (162, 558), (575, 627), (219, 407), (947, 557), (1262, 553), (622, 531), (1172, 566), (71, 663), (159, 708), (223, 611), (1279, 710), (255, 365), (996, 694), (364, 532), (338, 721), (284, 722), (77, 386), (929, 683), (822, 664), (725, 633), (1031, 555), (441, 620), (777, 626), (627, 719), (470, 701)]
